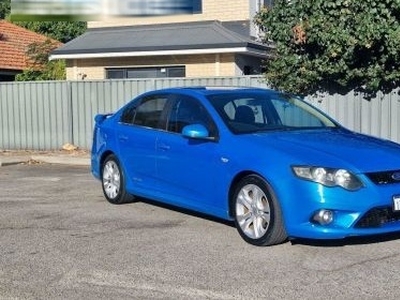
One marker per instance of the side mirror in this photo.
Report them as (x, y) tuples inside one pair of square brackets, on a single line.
[(196, 131), (99, 118)]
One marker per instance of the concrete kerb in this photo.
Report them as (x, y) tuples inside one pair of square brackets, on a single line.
[(50, 159), (13, 160), (63, 160)]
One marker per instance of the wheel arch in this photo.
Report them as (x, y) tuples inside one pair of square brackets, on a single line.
[(233, 185), (237, 179), (104, 156), (123, 195), (279, 232)]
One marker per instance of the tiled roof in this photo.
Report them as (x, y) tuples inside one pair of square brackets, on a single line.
[(14, 41)]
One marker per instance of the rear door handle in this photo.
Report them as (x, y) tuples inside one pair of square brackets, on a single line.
[(123, 138)]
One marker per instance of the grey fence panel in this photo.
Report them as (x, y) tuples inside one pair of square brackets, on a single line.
[(93, 97), (46, 115), (6, 112), (379, 116), (394, 124), (254, 81), (34, 115), (342, 108), (90, 98)]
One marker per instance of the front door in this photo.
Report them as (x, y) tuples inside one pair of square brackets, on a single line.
[(187, 168)]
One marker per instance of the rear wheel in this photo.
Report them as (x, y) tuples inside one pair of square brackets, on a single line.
[(113, 182), (257, 212)]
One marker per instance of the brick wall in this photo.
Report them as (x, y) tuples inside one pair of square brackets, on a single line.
[(196, 65)]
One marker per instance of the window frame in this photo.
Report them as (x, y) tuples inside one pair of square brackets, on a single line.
[(125, 71), (157, 123), (210, 122)]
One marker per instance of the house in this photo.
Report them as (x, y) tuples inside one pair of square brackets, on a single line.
[(14, 42), (218, 39)]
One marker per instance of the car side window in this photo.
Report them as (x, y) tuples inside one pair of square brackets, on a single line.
[(147, 113), (186, 111), (292, 116), (246, 110)]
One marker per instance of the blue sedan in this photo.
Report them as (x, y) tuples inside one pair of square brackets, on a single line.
[(276, 166)]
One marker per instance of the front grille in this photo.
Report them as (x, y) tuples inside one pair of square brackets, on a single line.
[(387, 177), (377, 217)]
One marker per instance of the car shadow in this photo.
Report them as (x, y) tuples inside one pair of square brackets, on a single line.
[(349, 241), (355, 240), (185, 211)]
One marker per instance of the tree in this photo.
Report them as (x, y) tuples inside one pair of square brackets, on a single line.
[(5, 7), (62, 31), (40, 68), (333, 45)]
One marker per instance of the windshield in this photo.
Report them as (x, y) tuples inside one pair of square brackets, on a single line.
[(249, 112)]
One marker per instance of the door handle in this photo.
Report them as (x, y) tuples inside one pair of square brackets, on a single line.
[(163, 146), (123, 138)]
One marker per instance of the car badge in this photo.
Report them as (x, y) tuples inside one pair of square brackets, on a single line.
[(396, 176)]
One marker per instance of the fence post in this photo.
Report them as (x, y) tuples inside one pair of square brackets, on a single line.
[(70, 112)]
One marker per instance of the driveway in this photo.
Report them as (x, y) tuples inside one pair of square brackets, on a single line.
[(60, 239)]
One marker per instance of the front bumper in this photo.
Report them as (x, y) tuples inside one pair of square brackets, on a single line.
[(368, 211), (376, 221)]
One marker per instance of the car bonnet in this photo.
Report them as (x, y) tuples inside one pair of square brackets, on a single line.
[(336, 148)]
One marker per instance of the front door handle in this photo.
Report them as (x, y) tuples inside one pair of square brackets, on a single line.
[(163, 146)]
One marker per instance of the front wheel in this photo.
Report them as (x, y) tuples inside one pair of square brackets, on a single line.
[(113, 182), (257, 212)]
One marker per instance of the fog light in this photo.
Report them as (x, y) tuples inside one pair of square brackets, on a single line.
[(323, 217)]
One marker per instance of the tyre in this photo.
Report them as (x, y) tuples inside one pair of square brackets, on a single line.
[(113, 182), (257, 212)]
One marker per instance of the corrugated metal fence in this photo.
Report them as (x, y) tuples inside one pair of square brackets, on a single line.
[(46, 115)]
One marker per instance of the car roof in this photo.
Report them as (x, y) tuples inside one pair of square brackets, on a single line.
[(215, 90)]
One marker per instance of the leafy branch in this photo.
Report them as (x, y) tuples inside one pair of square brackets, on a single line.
[(333, 46)]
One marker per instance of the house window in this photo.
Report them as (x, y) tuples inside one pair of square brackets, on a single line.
[(197, 6), (268, 3), (150, 72), (115, 74)]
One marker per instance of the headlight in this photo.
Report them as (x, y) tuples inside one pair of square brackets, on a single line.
[(329, 176)]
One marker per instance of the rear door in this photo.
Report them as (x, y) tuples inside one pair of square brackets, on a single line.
[(141, 124)]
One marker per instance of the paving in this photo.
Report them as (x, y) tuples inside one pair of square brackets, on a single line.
[(15, 157), (60, 239)]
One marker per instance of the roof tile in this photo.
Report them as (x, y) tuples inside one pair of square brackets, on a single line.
[(14, 42)]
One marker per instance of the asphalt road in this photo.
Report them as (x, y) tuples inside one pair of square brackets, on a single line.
[(60, 239)]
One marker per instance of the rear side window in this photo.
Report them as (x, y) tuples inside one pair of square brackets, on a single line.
[(147, 112)]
